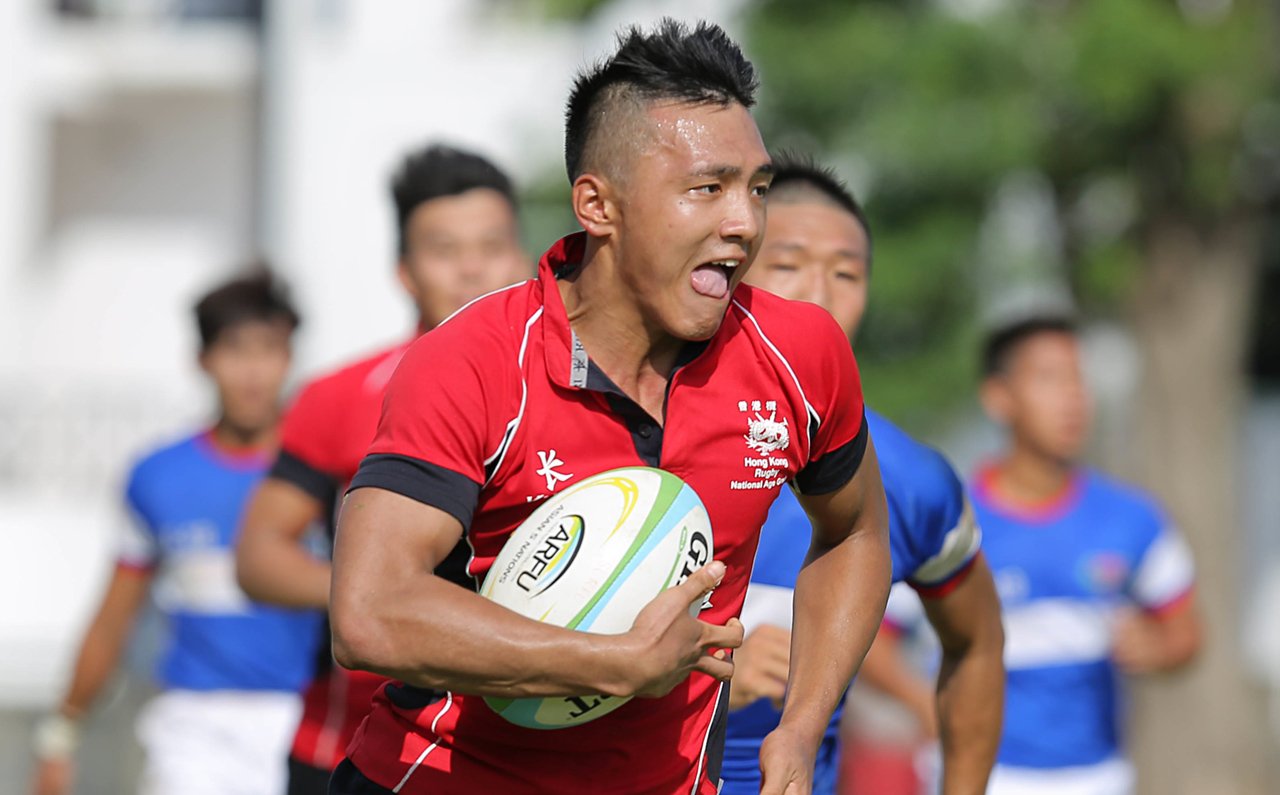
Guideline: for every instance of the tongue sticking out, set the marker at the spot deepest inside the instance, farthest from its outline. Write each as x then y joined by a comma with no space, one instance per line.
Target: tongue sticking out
711,281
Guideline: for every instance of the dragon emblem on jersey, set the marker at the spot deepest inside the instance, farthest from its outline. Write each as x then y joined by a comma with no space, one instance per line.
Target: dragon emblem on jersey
767,434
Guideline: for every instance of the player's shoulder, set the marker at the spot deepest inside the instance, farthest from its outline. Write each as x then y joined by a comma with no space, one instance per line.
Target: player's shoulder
805,335
1122,500
910,464
172,457
781,319
352,375
486,331
506,309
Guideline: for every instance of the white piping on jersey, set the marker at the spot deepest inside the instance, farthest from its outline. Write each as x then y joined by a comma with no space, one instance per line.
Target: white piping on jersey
813,414
335,716
447,703
377,378
500,454
468,304
702,757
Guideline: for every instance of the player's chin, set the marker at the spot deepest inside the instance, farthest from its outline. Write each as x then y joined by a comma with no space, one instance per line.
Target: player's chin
699,320
700,330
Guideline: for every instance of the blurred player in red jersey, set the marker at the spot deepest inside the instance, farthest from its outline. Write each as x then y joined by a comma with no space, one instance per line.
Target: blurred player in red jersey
458,239
635,345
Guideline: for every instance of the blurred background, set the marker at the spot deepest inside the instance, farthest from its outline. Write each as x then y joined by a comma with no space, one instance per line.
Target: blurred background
1117,156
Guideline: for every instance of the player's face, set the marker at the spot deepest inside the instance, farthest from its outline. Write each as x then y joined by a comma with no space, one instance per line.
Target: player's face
1043,397
818,253
248,363
692,215
457,249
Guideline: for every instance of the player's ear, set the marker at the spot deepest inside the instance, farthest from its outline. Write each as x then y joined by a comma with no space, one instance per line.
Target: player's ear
593,204
995,398
406,279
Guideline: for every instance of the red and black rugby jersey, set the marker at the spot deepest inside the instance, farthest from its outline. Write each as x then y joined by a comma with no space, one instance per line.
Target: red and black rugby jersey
500,407
325,433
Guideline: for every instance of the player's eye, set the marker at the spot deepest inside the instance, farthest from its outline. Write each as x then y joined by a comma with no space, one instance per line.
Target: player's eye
710,188
848,276
783,267
760,191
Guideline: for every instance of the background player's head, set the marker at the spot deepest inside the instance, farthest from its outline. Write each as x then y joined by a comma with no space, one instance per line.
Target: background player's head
669,171
458,230
246,326
1033,383
817,243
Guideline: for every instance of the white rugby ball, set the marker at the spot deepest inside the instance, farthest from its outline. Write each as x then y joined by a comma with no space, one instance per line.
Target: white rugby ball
590,558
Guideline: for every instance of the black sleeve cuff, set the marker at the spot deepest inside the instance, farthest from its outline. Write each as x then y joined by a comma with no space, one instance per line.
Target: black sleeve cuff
420,480
291,469
836,468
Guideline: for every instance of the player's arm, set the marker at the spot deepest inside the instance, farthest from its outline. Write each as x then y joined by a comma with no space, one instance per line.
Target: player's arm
970,693
839,601
96,661
1164,633
392,615
272,564
886,670
760,667
1151,641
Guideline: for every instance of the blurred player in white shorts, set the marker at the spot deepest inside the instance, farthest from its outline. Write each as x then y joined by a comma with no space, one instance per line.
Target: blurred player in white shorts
232,669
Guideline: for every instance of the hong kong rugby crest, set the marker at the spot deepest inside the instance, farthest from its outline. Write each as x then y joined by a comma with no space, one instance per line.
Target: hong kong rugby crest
765,434
765,467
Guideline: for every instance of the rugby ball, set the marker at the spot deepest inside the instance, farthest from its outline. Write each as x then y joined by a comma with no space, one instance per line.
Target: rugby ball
590,558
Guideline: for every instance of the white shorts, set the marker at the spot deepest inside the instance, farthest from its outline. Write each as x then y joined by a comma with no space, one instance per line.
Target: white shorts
1112,777
225,742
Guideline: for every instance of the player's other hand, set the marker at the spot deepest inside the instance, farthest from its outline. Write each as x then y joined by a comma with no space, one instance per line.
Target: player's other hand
665,644
786,763
52,776
760,667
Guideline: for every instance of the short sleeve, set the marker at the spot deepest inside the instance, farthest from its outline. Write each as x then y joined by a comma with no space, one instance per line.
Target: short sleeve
137,547
833,391
953,556
1165,573
446,412
307,444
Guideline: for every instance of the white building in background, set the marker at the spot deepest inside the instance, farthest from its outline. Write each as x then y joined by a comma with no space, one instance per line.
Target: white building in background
150,146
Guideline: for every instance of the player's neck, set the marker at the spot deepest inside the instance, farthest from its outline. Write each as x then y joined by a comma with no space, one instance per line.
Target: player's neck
1026,478
636,357
236,440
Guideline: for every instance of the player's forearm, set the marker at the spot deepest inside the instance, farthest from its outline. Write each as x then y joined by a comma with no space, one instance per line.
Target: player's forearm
386,630
839,603
97,660
104,640
272,563
970,711
274,568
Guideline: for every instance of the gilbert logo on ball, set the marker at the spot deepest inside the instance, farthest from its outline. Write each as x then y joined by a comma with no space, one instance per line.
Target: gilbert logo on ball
590,558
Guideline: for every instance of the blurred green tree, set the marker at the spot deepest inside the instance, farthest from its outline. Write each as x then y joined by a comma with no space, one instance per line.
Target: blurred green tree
1124,148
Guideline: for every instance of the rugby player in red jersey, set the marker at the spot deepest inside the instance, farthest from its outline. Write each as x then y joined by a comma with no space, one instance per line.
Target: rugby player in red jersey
635,345
458,239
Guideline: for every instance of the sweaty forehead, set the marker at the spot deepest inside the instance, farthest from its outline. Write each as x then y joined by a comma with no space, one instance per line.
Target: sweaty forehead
707,136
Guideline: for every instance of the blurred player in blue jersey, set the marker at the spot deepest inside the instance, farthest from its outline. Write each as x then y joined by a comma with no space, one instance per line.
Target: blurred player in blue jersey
817,248
232,670
1093,578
